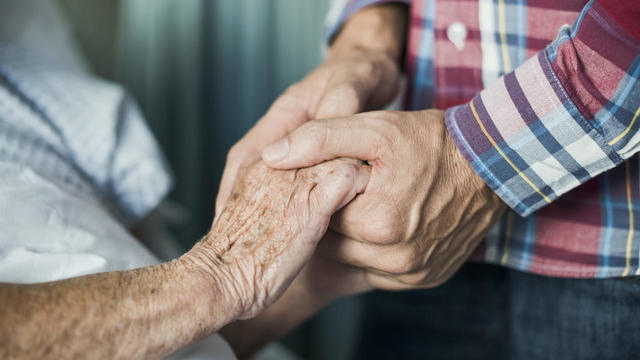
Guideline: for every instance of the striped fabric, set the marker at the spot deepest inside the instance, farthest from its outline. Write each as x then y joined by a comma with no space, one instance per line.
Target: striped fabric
543,100
81,133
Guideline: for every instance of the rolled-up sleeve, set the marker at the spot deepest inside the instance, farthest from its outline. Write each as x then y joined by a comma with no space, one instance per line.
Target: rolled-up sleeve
341,10
566,115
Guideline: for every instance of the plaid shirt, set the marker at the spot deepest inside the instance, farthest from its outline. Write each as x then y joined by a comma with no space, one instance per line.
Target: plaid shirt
546,113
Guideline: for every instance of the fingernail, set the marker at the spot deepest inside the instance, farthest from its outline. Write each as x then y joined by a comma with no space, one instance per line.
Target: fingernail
277,151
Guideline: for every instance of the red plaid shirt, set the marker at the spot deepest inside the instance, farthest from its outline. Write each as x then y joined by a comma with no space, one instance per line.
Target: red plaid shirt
543,99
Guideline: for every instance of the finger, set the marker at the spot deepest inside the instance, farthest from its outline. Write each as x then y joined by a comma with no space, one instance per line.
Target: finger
417,280
320,140
330,194
377,260
384,282
338,188
384,260
373,217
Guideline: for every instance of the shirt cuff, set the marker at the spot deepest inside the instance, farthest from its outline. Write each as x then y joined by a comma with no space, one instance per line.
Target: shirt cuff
342,10
529,144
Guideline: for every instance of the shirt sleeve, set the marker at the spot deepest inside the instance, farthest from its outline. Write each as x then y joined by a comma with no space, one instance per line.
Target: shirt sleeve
341,10
561,118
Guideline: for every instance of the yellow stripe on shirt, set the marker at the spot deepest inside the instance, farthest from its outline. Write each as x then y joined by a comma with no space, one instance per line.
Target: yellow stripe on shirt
503,37
507,236
625,130
523,176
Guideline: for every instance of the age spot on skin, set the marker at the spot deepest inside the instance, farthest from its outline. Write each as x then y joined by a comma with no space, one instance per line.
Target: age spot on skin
248,244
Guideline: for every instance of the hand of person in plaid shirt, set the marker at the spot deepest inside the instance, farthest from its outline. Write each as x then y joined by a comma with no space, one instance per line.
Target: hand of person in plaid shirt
361,73
424,210
427,205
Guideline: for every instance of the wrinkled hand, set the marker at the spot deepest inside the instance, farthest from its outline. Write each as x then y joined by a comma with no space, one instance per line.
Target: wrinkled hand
424,209
270,228
342,86
361,73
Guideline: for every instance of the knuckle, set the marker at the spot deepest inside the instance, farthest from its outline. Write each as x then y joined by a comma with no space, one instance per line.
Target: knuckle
419,279
233,151
400,265
337,167
389,121
386,226
383,145
254,170
385,127
385,229
371,70
349,97
291,96
346,171
411,259
236,153
366,68
293,89
387,116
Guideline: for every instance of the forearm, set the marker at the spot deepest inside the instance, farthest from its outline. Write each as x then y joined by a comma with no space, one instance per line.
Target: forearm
143,313
266,233
379,28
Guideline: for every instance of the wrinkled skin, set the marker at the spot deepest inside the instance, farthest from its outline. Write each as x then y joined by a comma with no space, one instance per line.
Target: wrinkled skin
424,210
271,225
266,234
336,88
361,73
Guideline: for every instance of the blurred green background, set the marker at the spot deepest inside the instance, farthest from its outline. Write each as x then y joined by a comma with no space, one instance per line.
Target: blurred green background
204,72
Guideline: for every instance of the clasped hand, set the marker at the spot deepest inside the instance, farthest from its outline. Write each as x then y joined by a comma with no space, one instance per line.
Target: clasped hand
424,209
270,227
422,213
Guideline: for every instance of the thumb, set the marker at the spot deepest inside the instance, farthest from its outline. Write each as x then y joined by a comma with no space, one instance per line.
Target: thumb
321,140
338,188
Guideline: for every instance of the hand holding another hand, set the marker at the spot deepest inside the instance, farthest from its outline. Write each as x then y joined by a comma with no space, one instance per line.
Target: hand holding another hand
424,210
341,87
270,227
361,73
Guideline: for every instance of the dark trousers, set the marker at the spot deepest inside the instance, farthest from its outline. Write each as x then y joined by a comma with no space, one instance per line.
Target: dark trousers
490,312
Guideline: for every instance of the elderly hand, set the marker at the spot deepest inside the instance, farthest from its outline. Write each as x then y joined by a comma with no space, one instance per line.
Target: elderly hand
261,241
424,209
361,73
270,228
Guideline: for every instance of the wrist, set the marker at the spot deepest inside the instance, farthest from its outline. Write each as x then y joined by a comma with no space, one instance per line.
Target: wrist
458,165
212,286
